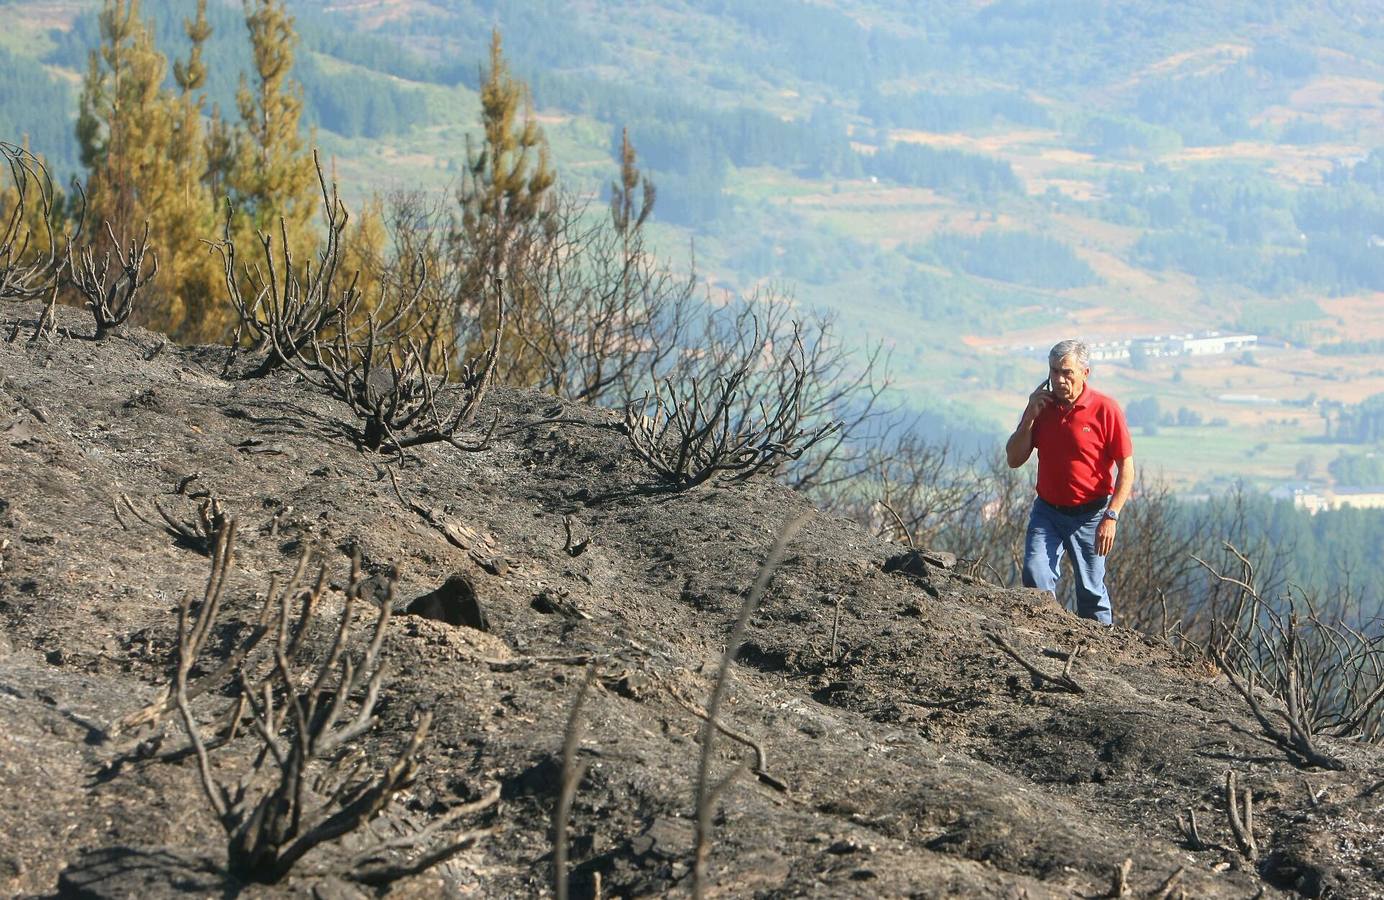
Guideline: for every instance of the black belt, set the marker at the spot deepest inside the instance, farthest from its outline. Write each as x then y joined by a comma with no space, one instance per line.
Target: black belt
1081,508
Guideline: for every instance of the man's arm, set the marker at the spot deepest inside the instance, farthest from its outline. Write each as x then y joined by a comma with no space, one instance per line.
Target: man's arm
1019,447
1124,486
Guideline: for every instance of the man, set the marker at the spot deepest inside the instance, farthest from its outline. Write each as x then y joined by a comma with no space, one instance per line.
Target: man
1080,434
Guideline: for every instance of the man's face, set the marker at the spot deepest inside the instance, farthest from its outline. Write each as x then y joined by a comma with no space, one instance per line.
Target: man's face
1068,378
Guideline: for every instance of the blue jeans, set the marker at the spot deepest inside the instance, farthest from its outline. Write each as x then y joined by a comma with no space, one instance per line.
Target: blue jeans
1052,532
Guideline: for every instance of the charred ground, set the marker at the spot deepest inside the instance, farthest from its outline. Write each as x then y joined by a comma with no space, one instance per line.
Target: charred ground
916,757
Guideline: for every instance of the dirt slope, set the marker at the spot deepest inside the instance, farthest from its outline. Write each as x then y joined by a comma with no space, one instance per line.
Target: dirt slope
917,758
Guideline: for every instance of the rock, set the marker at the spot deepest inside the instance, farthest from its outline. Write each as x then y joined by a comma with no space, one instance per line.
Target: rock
630,685
942,559
920,563
375,589
909,562
455,603
557,602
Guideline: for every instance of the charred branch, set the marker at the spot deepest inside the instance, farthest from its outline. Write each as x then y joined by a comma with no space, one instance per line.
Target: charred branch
1297,741
1119,880
1191,832
571,546
1317,669
400,402
283,306
32,254
1240,812
111,286
1165,890
1062,682
707,792
730,425
573,770
302,789
201,532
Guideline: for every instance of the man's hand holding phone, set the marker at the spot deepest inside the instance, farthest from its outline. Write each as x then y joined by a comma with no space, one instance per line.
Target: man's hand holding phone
1038,401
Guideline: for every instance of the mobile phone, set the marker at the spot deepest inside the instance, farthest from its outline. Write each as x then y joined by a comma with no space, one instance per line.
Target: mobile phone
1046,385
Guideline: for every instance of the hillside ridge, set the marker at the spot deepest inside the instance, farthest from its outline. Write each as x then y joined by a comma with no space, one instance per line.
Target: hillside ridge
900,750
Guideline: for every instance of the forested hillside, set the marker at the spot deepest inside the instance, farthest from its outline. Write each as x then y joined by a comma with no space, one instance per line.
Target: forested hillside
962,181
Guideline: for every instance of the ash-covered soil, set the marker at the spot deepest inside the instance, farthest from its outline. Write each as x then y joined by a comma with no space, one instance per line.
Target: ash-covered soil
905,755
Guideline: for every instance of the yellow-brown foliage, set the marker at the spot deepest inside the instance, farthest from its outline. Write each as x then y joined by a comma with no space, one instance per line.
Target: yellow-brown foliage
505,202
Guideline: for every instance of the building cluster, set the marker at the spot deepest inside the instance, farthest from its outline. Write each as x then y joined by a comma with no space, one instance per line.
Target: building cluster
1202,343
1205,343
1315,501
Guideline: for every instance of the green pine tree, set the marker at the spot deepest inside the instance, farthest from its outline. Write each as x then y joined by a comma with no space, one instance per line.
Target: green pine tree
505,198
271,173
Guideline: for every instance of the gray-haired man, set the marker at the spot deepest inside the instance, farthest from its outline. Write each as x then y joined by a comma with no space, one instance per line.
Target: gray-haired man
1080,435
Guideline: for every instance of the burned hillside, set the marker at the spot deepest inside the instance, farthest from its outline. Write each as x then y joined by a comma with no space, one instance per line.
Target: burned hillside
557,618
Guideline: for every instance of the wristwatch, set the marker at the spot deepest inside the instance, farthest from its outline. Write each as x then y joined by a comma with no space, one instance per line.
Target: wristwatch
1112,514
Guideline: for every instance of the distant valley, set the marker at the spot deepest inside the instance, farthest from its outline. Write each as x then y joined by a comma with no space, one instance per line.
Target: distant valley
966,184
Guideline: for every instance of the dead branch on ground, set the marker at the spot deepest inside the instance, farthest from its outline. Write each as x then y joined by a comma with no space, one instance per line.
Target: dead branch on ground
571,546
1191,833
201,532
518,663
370,867
1165,890
1062,682
1119,879
761,757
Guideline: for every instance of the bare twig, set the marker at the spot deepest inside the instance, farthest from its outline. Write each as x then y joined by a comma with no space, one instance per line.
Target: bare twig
571,547
291,305
943,704
277,811
898,521
1063,682
725,425
1191,834
835,626
194,627
1242,825
1296,741
1119,879
31,253
201,532
706,793
110,290
388,384
573,771
1165,890
761,757
388,874
516,663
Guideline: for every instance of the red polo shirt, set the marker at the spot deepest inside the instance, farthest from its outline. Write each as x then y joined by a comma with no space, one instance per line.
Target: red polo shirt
1077,446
